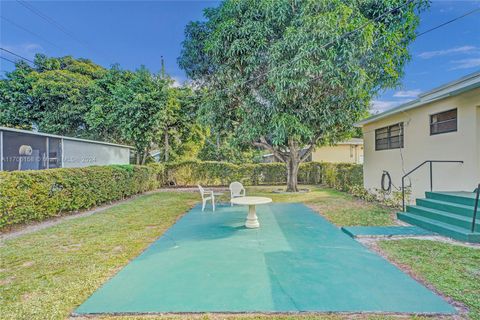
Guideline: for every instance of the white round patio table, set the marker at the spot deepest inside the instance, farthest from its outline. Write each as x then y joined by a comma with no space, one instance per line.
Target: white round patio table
251,202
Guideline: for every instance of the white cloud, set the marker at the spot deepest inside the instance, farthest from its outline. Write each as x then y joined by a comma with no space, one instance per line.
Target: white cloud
177,82
26,50
448,9
407,93
378,106
458,50
465,63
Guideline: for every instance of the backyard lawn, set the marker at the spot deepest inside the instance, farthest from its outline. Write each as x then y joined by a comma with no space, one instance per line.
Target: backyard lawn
47,274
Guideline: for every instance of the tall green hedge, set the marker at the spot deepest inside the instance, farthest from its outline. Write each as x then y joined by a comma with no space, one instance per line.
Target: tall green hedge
27,196
212,173
342,176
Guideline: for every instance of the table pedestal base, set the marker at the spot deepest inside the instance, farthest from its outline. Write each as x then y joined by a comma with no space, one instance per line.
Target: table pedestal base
252,220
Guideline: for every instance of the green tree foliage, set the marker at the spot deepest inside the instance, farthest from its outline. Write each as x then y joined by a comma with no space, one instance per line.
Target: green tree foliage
76,97
128,107
226,148
51,95
282,75
181,137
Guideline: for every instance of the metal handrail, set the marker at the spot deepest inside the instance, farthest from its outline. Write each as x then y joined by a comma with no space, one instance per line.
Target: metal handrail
431,175
475,209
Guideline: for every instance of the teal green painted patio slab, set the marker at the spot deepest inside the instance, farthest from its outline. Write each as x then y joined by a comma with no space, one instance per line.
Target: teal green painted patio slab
296,261
388,231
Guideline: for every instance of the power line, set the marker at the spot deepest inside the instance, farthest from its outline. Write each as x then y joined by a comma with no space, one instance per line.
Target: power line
448,22
363,26
428,31
56,25
334,40
17,55
417,36
8,60
441,25
30,32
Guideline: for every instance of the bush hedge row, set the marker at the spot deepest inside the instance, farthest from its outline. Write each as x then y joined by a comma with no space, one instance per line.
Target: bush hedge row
37,195
209,173
27,196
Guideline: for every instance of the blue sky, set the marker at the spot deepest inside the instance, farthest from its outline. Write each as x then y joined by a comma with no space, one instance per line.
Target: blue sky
133,33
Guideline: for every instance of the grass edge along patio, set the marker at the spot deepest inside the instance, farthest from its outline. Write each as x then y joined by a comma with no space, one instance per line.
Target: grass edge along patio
100,244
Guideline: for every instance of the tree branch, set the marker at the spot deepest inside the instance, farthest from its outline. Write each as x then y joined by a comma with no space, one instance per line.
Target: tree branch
311,147
264,144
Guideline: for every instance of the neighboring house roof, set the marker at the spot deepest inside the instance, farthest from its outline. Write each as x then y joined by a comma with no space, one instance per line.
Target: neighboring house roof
155,153
352,141
466,83
63,137
357,141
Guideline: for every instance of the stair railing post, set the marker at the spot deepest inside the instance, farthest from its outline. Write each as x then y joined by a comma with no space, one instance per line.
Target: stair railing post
476,208
431,176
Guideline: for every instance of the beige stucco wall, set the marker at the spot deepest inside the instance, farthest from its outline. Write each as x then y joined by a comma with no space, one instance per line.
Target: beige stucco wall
345,153
419,145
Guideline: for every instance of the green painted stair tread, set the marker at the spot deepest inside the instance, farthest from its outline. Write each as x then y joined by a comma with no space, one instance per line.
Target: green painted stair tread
443,216
464,194
460,197
442,228
386,231
461,209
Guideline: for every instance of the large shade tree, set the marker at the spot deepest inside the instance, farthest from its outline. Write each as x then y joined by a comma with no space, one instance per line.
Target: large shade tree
286,75
51,95
127,107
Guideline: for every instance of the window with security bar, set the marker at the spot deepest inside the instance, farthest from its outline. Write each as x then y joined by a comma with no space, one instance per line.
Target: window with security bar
443,122
390,137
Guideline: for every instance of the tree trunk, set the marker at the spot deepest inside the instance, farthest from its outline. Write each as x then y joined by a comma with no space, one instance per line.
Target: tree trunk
145,155
167,147
291,157
138,157
293,165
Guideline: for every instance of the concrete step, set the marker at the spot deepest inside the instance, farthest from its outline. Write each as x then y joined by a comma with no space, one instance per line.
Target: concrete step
444,216
455,232
460,209
464,198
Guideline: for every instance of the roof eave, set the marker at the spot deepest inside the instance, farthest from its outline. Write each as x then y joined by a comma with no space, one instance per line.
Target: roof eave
472,81
64,137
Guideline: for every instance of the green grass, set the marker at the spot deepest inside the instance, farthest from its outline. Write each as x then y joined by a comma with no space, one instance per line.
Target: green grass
453,270
264,317
338,207
47,274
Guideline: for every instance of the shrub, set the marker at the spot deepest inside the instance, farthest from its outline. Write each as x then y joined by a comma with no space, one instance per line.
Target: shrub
208,173
342,176
212,173
27,196
160,176
311,172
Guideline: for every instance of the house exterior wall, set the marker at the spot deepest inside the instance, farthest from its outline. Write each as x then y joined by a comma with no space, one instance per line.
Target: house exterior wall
84,154
342,153
419,145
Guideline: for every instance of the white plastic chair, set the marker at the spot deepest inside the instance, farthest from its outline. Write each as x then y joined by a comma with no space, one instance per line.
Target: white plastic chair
206,195
236,190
